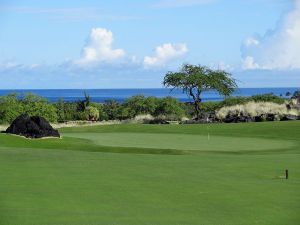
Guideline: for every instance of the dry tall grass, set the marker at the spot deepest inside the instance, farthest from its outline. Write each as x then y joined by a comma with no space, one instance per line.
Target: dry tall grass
252,109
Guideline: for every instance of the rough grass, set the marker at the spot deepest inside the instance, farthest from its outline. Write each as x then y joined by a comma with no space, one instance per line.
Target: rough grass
76,181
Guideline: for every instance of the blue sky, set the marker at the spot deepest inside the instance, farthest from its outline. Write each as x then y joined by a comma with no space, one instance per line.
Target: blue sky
132,44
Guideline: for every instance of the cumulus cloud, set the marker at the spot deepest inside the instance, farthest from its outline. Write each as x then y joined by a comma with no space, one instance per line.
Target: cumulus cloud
277,49
165,53
249,64
221,66
99,50
250,41
181,3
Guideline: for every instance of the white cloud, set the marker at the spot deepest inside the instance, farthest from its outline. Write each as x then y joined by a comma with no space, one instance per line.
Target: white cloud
15,66
98,49
251,41
249,64
181,3
165,53
221,66
277,49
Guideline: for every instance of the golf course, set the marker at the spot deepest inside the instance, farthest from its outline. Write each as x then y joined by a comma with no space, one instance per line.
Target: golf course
139,174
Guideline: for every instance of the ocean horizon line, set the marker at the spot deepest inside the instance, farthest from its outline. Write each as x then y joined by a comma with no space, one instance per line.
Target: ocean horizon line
120,95
17,89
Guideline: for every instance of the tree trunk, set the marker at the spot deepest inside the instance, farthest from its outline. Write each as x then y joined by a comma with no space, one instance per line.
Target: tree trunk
197,102
197,108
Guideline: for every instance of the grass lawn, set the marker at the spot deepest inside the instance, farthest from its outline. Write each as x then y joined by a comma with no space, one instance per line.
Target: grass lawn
219,174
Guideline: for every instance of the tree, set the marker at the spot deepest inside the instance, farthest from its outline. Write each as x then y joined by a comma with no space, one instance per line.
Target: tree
196,79
82,105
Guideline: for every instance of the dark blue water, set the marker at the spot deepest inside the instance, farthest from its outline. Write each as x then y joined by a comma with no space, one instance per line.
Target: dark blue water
100,95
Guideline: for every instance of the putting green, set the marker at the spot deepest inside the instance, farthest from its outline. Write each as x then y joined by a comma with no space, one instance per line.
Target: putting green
183,141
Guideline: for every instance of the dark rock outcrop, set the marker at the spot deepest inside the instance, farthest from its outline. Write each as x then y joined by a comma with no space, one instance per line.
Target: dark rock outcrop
290,117
158,121
237,119
32,127
270,117
205,117
208,117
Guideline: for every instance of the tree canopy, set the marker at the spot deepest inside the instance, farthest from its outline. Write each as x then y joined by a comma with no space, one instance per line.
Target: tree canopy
195,79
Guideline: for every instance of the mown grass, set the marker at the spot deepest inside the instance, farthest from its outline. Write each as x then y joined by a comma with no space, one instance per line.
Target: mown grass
79,181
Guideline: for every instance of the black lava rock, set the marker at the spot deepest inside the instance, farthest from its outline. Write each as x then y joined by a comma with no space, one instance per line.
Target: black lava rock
237,119
290,117
32,127
158,121
259,118
270,117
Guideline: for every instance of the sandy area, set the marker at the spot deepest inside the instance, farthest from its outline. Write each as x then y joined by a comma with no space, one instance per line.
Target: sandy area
84,123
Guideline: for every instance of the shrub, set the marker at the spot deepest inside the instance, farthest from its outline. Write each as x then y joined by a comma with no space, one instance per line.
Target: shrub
170,106
35,105
255,98
91,113
234,101
111,109
139,104
10,108
267,98
253,109
60,109
210,106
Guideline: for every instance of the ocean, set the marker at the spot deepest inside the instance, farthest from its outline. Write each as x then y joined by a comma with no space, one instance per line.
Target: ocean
120,95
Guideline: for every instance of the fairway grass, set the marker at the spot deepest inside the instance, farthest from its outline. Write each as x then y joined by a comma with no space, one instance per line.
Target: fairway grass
153,175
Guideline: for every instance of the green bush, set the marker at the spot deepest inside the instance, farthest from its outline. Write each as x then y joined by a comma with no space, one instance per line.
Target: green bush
267,98
210,106
91,113
169,106
10,108
139,104
256,98
35,105
111,109
233,101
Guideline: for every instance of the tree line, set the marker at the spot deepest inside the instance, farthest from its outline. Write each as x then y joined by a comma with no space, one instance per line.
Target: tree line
168,108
